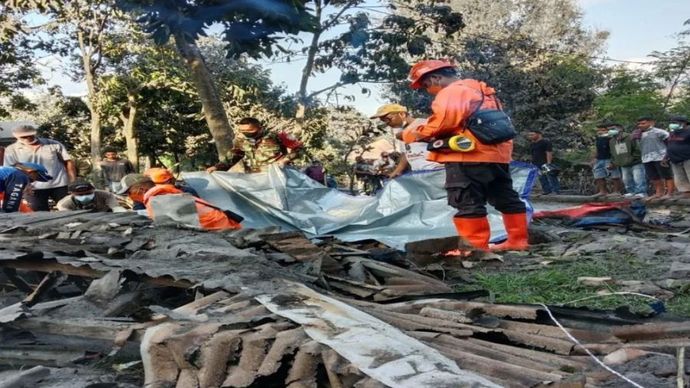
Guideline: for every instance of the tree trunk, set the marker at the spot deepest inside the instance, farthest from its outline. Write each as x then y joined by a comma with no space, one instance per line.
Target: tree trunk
682,68
306,73
216,118
131,140
93,103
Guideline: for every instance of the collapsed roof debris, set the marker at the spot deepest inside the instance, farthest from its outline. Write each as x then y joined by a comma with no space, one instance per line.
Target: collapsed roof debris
107,299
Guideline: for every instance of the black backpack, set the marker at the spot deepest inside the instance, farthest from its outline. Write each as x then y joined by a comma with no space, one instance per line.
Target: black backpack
491,126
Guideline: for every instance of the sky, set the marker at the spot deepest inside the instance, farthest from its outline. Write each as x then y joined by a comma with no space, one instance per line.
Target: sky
636,27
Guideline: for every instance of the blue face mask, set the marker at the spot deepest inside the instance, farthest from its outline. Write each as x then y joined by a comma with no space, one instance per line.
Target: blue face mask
85,198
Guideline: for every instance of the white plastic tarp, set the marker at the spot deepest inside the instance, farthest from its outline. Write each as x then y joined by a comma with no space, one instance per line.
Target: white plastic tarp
387,355
412,207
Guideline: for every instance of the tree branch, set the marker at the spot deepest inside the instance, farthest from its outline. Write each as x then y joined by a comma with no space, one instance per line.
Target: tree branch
332,87
335,18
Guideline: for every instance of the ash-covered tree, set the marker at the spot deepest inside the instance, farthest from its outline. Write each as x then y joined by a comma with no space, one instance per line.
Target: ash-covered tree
135,65
17,70
250,28
627,95
74,29
673,67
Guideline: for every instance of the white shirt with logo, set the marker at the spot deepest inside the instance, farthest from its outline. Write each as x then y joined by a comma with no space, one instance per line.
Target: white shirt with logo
417,153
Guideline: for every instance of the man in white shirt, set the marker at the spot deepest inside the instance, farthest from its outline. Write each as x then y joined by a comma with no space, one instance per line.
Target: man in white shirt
397,117
29,148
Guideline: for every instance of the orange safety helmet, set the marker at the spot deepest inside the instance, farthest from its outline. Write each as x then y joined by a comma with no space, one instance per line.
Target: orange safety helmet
158,175
422,68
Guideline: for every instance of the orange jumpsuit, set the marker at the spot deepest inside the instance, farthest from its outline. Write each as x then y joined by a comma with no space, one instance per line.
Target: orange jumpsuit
210,217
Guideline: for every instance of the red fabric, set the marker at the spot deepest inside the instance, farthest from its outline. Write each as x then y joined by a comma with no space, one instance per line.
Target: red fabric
289,141
581,211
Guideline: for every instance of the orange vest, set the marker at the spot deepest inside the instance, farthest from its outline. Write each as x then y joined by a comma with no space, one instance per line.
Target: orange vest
210,217
451,108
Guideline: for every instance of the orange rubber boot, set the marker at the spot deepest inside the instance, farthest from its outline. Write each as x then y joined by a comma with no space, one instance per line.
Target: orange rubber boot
516,227
474,230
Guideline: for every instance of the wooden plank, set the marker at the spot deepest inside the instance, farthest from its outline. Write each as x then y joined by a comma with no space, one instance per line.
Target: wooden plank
517,376
76,327
49,265
51,280
494,354
33,356
535,355
652,331
555,332
553,344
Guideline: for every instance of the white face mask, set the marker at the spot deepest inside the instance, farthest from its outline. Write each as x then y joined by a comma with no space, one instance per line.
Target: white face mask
85,198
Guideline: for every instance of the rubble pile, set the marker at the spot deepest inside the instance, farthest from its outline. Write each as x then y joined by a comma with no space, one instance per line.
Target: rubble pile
107,299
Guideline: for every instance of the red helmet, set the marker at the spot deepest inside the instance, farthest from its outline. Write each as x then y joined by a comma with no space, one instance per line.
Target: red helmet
420,69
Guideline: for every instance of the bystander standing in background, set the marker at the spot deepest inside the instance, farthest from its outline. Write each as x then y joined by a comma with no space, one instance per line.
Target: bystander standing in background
542,155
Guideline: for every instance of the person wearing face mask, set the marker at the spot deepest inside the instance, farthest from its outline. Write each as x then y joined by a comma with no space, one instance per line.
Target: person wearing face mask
258,148
477,171
14,180
602,167
656,166
415,154
626,155
84,196
678,153
29,148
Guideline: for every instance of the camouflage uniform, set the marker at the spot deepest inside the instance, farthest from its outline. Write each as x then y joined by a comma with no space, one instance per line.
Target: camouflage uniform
257,154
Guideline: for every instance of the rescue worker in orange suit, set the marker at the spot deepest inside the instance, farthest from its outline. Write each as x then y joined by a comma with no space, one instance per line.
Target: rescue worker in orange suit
141,188
478,173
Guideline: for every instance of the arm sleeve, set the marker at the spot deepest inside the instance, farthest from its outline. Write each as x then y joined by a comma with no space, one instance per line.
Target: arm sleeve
450,109
129,167
111,201
549,146
289,141
63,152
65,204
10,158
14,191
237,155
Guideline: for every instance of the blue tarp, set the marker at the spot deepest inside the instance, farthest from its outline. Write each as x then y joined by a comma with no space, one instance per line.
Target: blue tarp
409,208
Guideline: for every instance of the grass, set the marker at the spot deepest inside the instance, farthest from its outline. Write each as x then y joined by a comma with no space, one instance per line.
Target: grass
557,284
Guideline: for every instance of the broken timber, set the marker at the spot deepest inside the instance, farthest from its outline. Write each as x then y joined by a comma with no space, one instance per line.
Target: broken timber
258,308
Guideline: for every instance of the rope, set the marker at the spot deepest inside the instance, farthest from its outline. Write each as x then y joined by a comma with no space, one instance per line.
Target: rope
611,294
576,342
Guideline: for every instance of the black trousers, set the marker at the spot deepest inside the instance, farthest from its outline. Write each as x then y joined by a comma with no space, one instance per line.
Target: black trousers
38,199
471,185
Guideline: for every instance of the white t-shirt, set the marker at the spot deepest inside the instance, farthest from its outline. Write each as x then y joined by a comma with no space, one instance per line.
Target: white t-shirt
417,153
